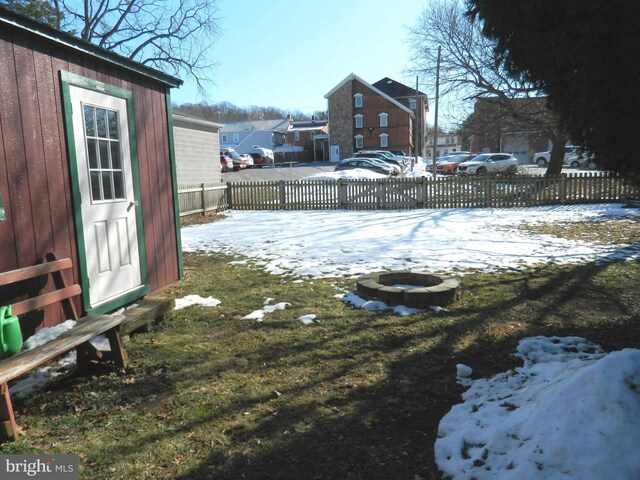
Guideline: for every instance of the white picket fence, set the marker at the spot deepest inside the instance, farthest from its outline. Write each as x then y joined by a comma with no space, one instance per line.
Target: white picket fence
410,193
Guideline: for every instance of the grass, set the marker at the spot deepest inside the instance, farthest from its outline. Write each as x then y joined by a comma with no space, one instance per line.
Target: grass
357,395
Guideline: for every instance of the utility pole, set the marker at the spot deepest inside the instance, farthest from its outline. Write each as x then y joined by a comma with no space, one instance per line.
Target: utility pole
435,121
418,118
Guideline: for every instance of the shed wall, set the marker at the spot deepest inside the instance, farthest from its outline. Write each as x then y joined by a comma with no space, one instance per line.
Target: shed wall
34,167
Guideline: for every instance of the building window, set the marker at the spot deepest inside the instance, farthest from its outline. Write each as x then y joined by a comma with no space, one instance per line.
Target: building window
224,138
296,136
359,141
384,119
236,138
384,140
412,104
358,100
359,121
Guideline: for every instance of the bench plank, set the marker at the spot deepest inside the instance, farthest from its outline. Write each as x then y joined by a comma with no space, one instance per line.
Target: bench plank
86,329
45,299
33,271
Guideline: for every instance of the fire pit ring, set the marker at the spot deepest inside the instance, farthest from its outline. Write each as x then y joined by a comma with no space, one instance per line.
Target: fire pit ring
417,290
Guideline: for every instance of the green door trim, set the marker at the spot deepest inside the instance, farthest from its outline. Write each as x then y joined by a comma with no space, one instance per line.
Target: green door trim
67,80
174,183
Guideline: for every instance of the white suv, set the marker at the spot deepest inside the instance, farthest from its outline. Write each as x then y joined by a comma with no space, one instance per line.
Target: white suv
489,163
542,158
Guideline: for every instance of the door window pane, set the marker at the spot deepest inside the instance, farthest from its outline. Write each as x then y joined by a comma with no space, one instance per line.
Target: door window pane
101,122
102,137
104,154
113,124
89,121
107,190
92,153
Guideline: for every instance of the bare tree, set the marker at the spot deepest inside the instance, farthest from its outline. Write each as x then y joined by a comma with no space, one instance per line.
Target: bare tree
469,72
172,36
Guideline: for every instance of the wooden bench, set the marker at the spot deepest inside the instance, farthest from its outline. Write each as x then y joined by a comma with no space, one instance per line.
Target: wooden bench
78,337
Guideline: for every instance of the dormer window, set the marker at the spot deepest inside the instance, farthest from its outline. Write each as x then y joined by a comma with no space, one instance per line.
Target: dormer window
359,120
384,119
358,100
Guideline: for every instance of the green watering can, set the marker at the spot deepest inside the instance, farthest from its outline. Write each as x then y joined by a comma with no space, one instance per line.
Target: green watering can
10,334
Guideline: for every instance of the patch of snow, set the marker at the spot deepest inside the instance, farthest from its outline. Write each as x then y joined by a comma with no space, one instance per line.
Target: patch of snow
307,319
196,300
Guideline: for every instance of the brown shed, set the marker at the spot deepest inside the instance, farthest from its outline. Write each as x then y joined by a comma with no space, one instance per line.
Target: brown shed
87,167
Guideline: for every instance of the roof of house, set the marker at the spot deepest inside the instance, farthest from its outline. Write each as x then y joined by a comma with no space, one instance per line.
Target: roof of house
280,125
396,89
180,118
308,125
8,17
353,76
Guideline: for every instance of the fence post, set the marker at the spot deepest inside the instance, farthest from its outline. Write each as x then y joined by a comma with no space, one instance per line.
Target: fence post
282,194
342,193
563,193
228,194
203,199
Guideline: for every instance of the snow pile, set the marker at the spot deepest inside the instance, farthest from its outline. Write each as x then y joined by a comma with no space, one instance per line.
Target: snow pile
569,412
355,174
196,300
375,305
47,334
259,314
307,319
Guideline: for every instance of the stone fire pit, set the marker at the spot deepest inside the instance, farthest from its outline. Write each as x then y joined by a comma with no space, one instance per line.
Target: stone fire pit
412,289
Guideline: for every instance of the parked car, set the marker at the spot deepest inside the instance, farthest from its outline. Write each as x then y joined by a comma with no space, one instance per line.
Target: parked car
450,164
248,159
226,164
489,163
398,153
587,161
448,154
365,163
542,158
384,156
262,156
238,161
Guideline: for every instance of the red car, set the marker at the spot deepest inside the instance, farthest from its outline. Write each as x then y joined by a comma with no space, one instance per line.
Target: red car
450,166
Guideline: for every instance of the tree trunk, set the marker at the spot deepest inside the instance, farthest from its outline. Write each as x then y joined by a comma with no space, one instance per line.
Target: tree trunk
557,155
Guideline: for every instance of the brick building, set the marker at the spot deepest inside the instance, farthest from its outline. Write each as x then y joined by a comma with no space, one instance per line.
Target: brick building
363,116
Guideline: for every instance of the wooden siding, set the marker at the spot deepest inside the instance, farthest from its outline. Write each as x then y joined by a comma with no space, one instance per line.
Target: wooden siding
197,155
34,168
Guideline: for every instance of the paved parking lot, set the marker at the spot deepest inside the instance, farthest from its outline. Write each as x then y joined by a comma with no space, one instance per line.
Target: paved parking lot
302,170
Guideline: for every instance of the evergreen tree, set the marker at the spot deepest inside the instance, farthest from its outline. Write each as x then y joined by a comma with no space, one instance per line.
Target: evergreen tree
583,55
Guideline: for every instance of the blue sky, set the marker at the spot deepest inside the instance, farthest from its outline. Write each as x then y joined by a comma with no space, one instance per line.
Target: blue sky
289,53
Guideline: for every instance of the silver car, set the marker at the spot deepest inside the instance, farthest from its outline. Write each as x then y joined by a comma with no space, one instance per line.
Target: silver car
489,163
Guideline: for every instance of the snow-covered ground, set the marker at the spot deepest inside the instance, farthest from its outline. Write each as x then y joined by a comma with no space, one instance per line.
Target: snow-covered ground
345,243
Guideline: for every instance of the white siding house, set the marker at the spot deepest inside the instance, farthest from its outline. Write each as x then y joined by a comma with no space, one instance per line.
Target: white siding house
197,148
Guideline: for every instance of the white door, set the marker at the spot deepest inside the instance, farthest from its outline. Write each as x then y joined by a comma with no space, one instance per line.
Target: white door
335,153
108,203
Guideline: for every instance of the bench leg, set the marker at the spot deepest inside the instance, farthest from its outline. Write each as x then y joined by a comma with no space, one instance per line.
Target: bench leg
118,354
8,426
